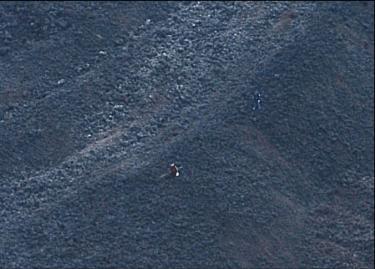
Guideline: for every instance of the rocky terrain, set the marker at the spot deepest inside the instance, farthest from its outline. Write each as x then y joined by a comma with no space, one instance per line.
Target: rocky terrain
267,106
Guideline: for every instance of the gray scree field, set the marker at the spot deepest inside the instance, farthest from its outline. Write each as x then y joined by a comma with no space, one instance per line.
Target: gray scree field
266,107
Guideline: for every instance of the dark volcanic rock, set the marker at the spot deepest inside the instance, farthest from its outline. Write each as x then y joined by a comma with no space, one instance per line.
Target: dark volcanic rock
97,99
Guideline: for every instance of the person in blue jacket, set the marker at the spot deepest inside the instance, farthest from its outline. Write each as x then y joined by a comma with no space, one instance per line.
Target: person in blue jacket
257,101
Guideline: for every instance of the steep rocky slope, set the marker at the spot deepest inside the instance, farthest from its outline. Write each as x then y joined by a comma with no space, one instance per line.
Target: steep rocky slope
97,99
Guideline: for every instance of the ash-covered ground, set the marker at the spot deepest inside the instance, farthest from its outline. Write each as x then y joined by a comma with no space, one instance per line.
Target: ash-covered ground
267,106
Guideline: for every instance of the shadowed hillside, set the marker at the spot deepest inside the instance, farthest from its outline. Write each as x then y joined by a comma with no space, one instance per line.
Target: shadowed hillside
268,108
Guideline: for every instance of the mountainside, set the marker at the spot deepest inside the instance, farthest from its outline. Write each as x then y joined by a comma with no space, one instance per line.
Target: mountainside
266,106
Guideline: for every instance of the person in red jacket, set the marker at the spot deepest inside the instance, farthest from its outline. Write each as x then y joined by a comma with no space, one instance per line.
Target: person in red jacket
174,170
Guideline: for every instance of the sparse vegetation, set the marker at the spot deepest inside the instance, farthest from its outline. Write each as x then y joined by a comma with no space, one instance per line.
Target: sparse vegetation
97,99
